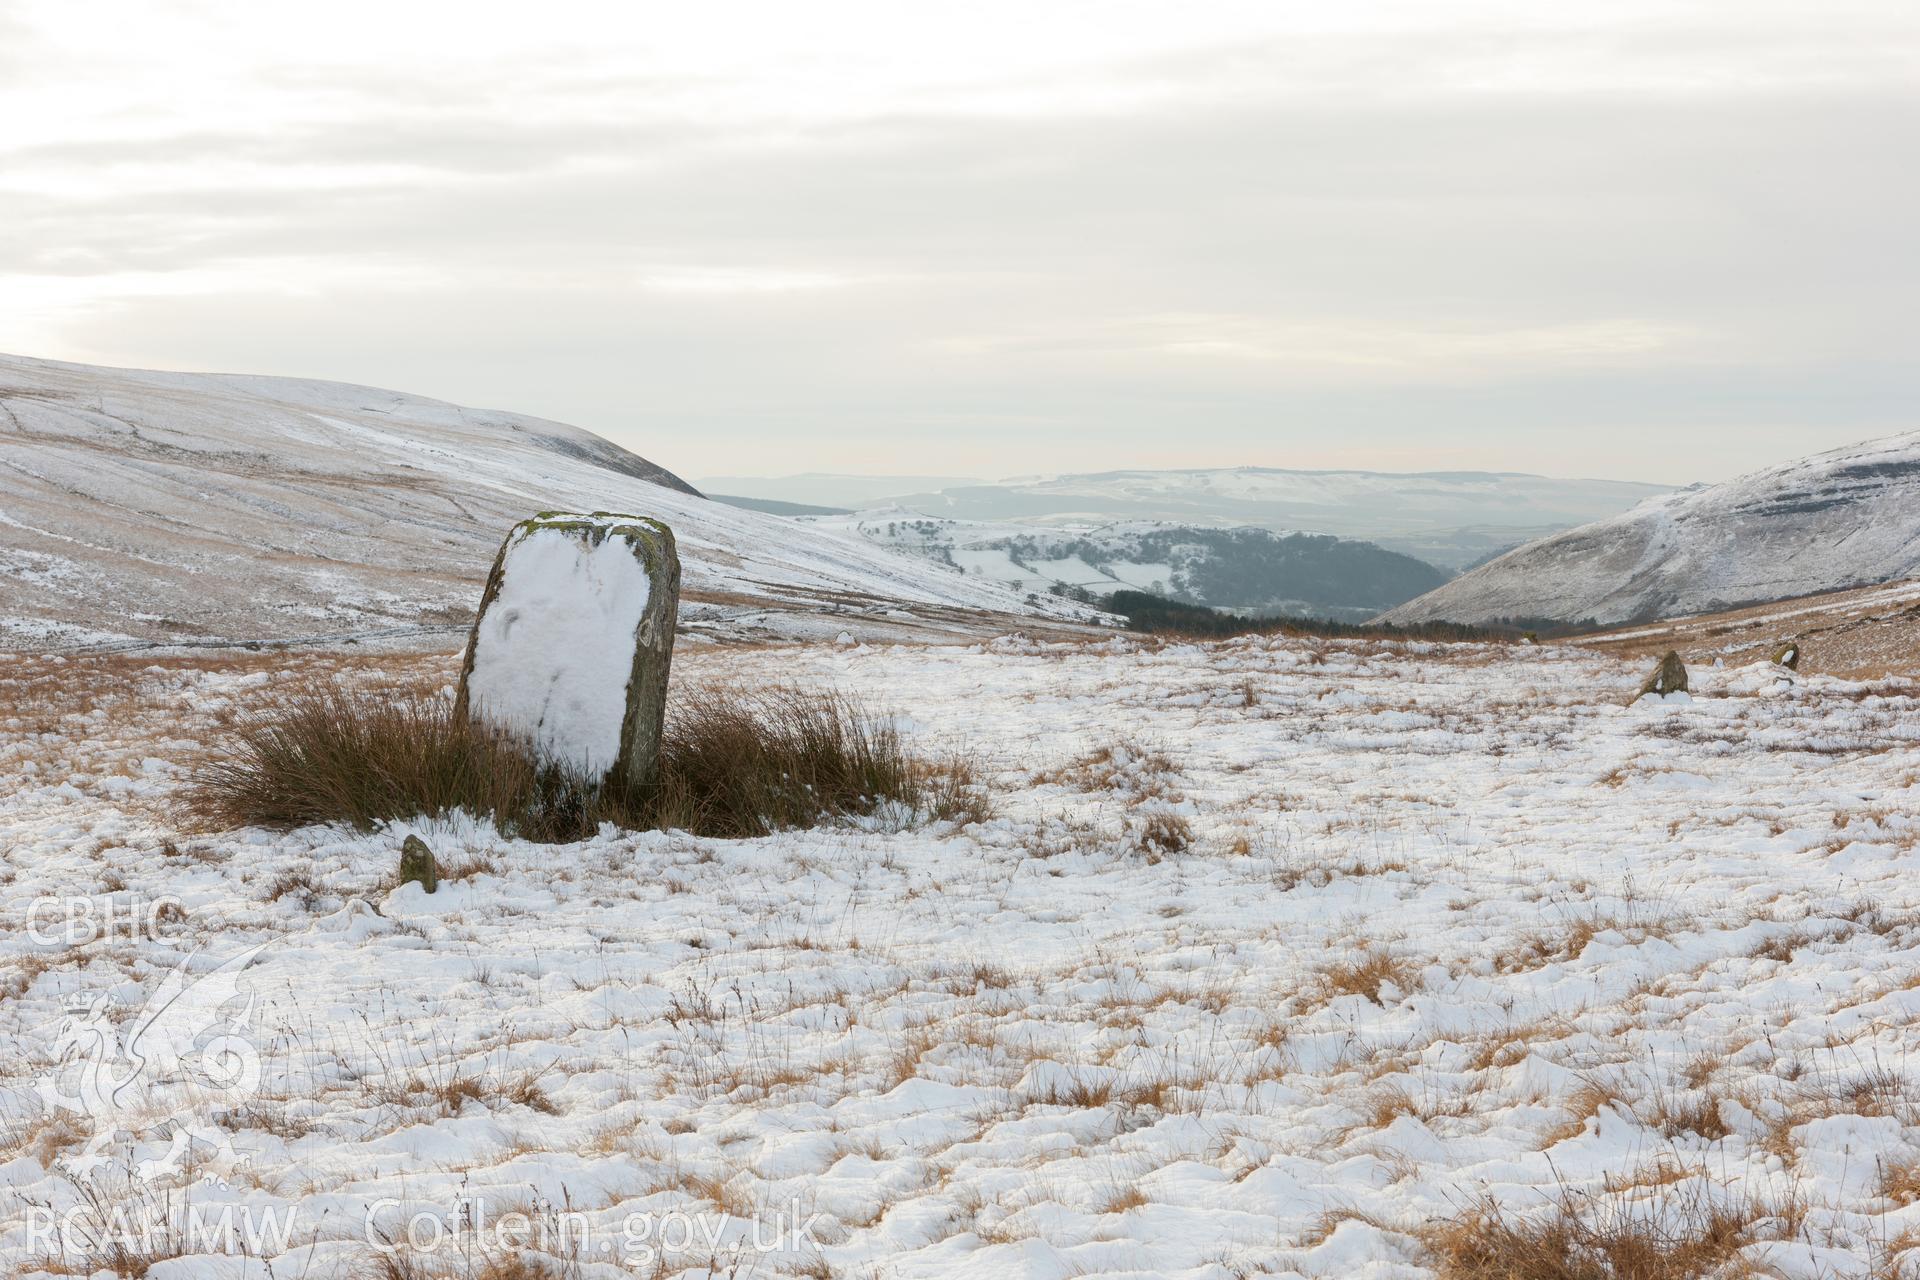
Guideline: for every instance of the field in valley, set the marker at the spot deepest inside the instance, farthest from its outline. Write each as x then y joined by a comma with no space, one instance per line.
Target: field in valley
1265,957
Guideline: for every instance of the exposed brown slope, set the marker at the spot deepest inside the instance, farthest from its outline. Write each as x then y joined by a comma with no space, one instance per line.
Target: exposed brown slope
1864,633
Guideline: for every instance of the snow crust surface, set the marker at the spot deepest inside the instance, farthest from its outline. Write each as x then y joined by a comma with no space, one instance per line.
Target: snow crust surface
553,653
1454,925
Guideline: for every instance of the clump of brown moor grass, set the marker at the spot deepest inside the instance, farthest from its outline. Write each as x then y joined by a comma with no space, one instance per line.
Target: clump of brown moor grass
1162,834
732,764
735,763
1692,1239
1367,974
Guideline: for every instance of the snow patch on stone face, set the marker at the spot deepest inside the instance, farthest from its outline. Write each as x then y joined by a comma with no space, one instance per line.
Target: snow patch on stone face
554,652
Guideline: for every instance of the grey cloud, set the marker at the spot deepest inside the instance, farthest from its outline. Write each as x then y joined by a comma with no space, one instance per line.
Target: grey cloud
443,144
815,376
19,47
1609,204
998,271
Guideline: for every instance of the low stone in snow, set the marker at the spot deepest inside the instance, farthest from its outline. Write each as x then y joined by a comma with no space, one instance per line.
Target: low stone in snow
1669,677
417,865
574,638
1788,655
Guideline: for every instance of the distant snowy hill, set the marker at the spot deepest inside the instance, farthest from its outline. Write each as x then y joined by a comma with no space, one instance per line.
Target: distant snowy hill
163,507
775,507
1237,568
1452,518
1846,518
830,489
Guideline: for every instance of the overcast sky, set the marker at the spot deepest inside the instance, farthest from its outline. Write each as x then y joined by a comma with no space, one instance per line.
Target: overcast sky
1665,241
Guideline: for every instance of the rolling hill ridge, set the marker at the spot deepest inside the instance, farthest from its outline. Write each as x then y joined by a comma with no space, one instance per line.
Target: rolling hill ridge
141,507
1845,518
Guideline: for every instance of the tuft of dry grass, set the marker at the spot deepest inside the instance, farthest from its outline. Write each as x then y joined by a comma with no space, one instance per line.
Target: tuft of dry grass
1572,1241
1382,1107
1136,772
395,1262
954,792
1162,834
1695,1111
733,764
1582,1105
330,754
738,763
298,884
1367,974
1900,1183
1567,939
1873,1091
95,1237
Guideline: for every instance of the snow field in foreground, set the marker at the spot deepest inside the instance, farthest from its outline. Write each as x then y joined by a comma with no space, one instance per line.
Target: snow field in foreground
1273,956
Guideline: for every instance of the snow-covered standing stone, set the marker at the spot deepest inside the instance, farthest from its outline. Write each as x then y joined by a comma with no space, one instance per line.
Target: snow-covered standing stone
573,641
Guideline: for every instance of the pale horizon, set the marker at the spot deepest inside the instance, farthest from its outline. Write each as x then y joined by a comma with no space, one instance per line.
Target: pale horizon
1659,243
1023,476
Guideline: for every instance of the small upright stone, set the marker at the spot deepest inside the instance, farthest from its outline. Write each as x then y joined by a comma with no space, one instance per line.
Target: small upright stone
417,865
1669,677
1788,655
573,641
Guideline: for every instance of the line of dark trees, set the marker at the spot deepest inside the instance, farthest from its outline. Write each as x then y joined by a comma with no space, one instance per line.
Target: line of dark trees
1160,616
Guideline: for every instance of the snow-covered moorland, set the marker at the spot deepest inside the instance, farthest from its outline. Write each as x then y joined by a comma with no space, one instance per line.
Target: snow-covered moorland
1272,958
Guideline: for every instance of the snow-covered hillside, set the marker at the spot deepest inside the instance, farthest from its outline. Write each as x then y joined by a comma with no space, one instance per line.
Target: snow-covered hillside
1243,568
162,507
1846,518
1452,519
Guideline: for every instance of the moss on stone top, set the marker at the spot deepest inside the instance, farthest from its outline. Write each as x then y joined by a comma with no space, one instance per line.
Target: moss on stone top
651,535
